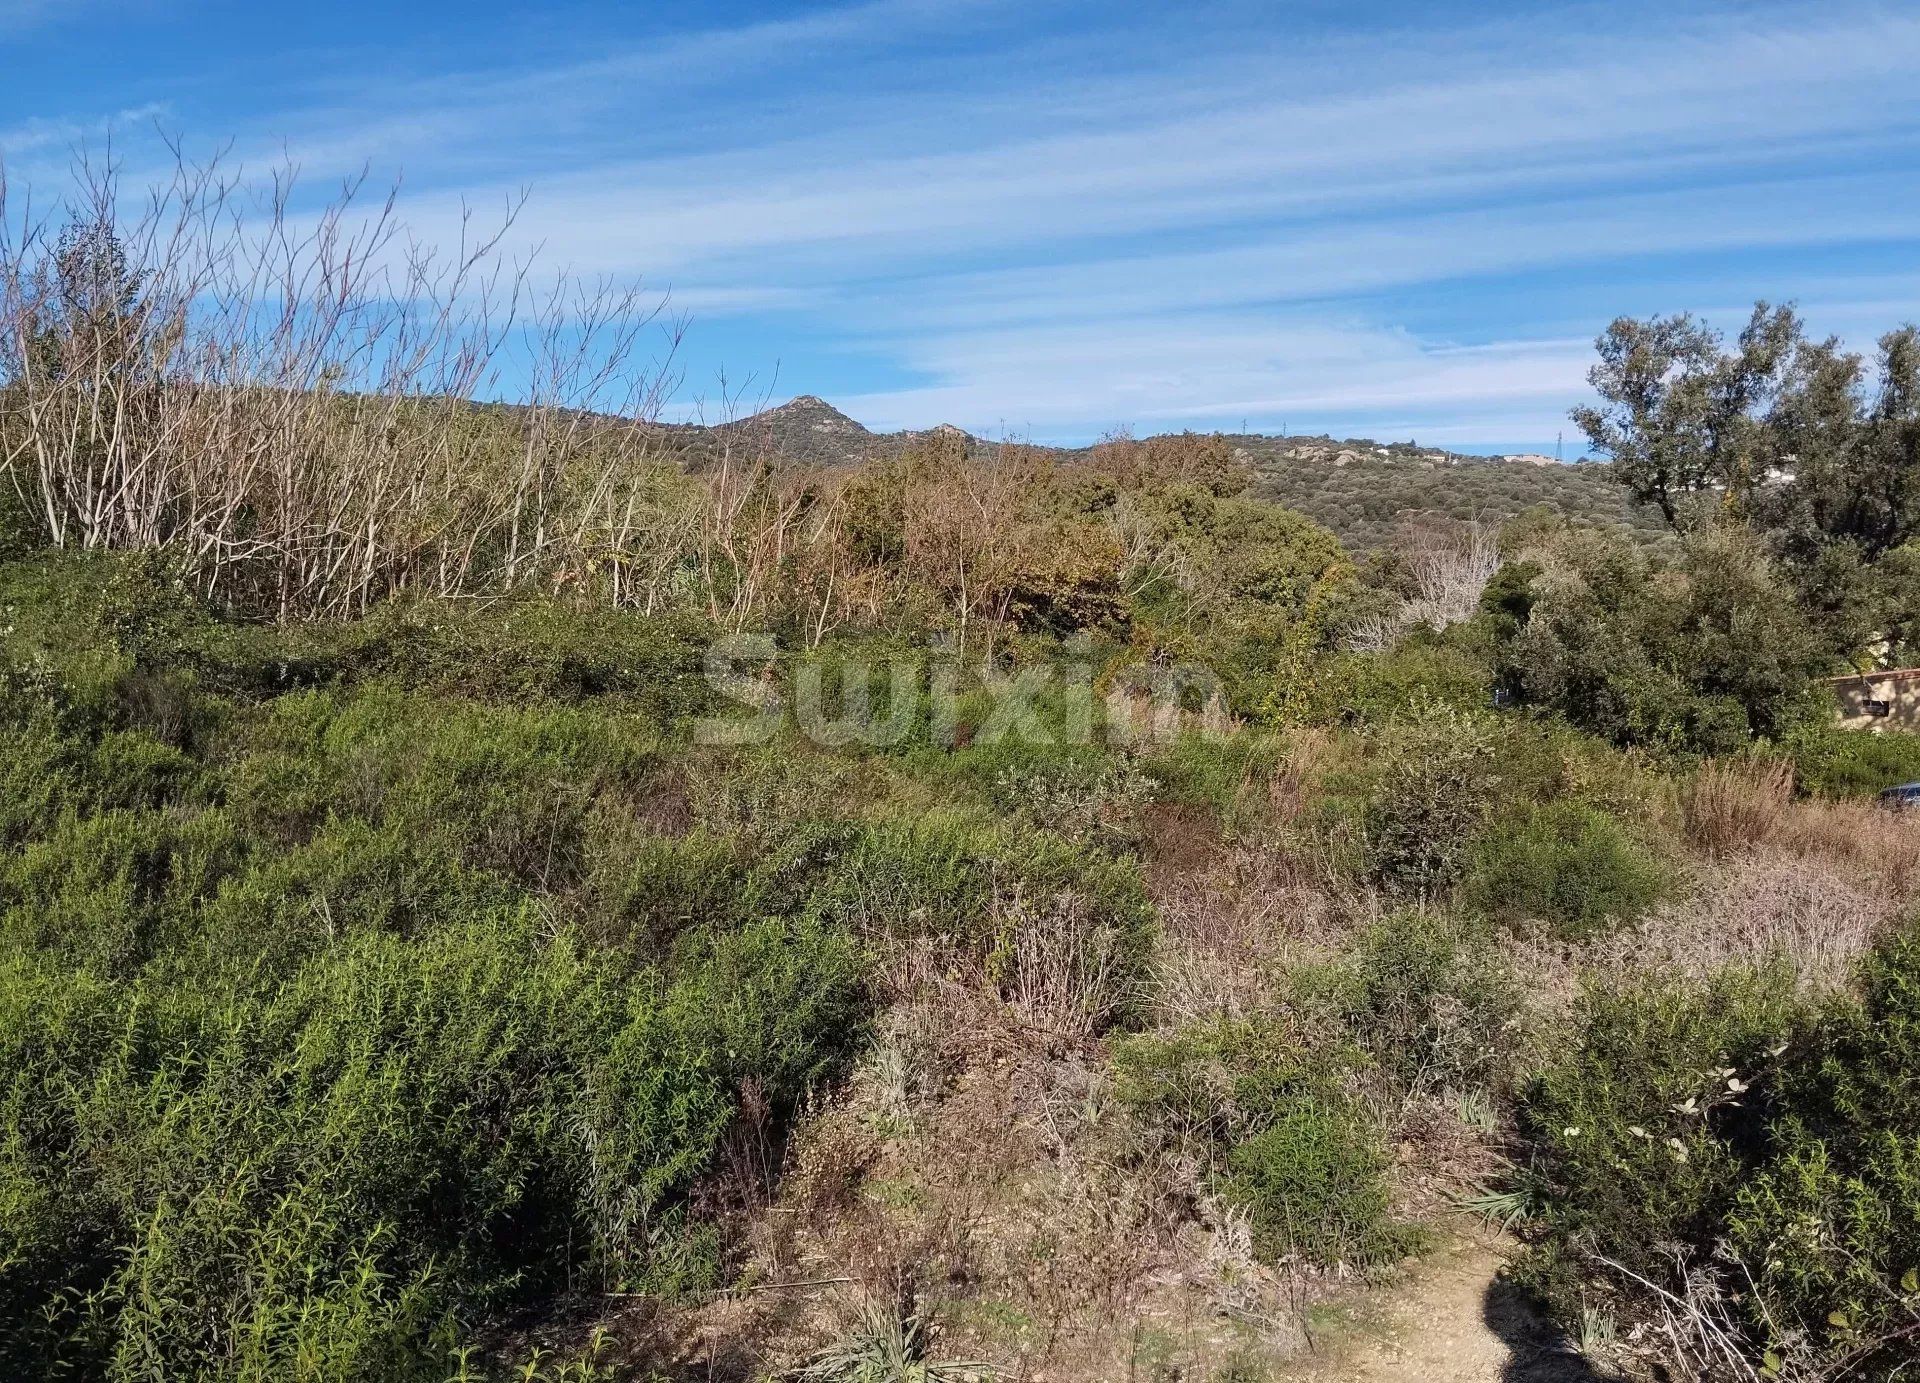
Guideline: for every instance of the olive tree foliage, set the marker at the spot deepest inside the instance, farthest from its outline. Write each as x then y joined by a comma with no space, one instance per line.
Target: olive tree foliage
1699,655
1795,434
1801,439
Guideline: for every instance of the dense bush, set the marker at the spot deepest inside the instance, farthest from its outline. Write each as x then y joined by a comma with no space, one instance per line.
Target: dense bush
1638,1124
1844,763
332,1177
1264,1104
1428,996
1726,1134
110,892
1376,687
324,1049
1700,657
1567,864
1435,780
1829,1227
1313,1182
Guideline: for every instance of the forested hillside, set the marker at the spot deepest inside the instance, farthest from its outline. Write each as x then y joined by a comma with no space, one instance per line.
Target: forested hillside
1363,492
1366,500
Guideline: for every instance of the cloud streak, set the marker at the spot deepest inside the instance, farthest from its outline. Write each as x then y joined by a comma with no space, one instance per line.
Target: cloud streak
1069,218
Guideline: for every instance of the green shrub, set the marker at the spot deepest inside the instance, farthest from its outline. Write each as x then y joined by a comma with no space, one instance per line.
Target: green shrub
1832,762
1830,1226
1427,995
110,891
1215,770
1263,1103
1378,687
1434,784
1638,1127
947,875
1097,802
533,652
1699,656
1313,1182
47,772
1215,1083
510,791
1721,1130
650,889
345,1169
351,878
1567,864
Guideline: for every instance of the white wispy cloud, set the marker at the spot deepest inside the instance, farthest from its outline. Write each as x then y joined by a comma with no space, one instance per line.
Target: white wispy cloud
1137,219
1643,107
1211,370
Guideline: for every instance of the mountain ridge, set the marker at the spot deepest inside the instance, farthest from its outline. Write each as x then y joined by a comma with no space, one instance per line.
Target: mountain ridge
1361,489
809,428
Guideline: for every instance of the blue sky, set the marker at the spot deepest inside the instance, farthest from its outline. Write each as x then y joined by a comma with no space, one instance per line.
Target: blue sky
1052,219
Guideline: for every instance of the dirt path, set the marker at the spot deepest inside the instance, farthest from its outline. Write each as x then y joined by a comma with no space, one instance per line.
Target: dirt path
1452,1321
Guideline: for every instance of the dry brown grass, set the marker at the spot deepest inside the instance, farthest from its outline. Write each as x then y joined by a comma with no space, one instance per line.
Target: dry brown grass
1730,806
1229,924
1062,973
1861,836
1770,904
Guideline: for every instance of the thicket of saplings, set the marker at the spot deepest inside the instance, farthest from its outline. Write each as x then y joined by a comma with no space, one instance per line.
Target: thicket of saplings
388,957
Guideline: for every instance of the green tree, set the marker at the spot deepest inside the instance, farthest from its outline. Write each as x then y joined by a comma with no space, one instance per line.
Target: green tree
1699,656
1682,415
1796,437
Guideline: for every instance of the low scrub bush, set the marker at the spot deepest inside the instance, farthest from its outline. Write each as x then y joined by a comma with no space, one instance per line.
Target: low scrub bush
337,1176
1378,687
1427,995
1642,1124
1226,774
1567,864
1211,1084
47,772
1313,1183
1730,1144
510,791
539,651
1435,782
649,889
352,878
109,892
1829,1227
953,877
1264,1107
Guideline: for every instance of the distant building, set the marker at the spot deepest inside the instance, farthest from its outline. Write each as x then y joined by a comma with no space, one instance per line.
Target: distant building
1879,700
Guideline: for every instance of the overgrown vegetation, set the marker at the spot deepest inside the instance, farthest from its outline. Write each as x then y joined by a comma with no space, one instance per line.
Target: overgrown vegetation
475,886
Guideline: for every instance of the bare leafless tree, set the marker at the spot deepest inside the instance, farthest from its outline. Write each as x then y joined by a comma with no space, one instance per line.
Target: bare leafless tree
1447,567
292,396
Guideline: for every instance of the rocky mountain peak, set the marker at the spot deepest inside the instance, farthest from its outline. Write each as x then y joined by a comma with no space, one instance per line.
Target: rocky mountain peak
811,412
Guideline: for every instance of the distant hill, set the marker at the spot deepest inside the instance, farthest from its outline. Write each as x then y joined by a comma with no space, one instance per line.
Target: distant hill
1359,488
813,432
1363,491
